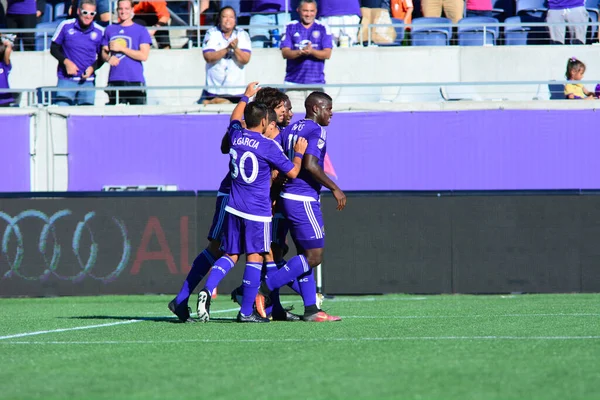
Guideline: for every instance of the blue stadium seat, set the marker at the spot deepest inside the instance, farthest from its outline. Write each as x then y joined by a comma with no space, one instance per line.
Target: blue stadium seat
592,9
40,43
47,17
59,10
533,8
423,34
471,31
514,33
557,91
399,27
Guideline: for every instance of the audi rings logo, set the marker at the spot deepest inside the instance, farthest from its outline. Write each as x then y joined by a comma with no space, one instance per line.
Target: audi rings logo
54,248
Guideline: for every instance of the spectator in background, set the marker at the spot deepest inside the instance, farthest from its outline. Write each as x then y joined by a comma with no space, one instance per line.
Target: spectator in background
575,72
306,45
453,9
21,14
124,46
227,49
77,45
341,12
479,8
154,14
376,12
5,66
40,6
274,13
403,9
2,16
573,11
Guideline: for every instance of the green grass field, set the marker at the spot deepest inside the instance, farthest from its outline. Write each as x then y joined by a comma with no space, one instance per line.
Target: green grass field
386,347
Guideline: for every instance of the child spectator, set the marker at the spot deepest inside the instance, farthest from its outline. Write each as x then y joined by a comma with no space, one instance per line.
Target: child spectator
5,49
575,71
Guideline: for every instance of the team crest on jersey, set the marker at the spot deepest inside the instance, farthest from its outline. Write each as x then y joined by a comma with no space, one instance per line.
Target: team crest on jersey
1,70
316,34
94,35
71,31
321,144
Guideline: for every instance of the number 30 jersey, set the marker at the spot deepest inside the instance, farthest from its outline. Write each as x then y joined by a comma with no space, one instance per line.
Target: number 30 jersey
304,187
251,158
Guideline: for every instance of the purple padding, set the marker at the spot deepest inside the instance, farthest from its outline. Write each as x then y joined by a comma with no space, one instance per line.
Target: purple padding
445,150
14,154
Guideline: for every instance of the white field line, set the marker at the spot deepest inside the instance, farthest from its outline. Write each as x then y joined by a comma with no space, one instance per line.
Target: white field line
468,316
78,328
305,340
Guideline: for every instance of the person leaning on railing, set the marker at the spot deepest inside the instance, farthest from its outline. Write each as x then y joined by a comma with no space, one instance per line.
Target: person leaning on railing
124,46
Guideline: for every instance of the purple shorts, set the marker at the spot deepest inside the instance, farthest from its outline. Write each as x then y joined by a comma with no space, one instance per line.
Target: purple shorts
244,236
216,229
305,223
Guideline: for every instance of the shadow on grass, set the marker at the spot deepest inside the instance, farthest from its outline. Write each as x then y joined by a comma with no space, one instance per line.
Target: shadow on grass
171,320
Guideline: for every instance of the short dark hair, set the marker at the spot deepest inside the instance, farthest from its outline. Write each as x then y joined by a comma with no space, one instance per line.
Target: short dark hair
271,115
271,97
89,2
315,98
254,113
307,1
218,20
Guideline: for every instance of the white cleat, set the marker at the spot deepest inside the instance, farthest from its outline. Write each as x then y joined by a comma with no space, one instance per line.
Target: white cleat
203,306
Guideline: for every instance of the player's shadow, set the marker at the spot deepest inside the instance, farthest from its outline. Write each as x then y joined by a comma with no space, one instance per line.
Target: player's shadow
172,320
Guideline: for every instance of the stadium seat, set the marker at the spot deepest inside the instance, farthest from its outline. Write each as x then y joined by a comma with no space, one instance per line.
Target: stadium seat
59,10
534,8
474,31
514,33
399,27
40,43
557,91
593,18
47,17
423,34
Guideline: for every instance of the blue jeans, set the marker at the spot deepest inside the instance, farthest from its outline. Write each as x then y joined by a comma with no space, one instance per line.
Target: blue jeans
259,36
74,97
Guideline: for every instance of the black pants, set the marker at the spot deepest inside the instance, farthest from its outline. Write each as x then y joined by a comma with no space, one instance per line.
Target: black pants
23,21
161,36
133,97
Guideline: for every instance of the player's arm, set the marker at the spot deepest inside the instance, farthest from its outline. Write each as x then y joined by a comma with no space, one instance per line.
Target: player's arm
311,164
290,54
238,111
299,149
138,55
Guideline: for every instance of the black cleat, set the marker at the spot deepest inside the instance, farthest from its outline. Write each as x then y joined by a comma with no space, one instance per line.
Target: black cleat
204,305
183,315
237,295
254,317
285,315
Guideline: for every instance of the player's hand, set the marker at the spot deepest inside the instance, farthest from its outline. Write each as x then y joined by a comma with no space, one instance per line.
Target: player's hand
340,198
300,146
71,67
116,46
308,49
114,61
88,72
251,89
233,44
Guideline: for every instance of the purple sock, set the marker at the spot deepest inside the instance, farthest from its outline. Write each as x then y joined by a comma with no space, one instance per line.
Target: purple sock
222,266
250,283
308,288
293,284
200,268
293,269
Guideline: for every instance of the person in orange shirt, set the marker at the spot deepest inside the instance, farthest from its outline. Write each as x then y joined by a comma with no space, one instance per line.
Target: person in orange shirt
154,13
402,9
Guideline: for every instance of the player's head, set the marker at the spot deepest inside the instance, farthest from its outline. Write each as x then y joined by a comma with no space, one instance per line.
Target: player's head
256,116
288,113
86,12
125,9
307,9
226,19
274,99
319,108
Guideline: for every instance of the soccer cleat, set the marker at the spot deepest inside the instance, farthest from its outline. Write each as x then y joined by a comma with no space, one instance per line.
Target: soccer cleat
320,316
204,305
183,315
254,317
285,315
262,300
237,295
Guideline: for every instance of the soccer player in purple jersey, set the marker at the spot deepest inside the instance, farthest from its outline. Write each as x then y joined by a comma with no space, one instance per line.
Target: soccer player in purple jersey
301,207
248,213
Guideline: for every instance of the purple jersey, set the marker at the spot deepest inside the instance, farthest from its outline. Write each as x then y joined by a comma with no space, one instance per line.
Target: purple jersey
128,70
332,8
252,157
225,186
306,69
565,4
79,45
21,7
4,71
270,6
304,187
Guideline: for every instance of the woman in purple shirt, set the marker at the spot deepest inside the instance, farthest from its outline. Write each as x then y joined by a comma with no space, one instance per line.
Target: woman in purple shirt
21,14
